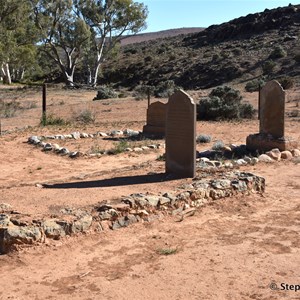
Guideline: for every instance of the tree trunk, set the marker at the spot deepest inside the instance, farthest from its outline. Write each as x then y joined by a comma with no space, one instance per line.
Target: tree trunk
98,62
95,74
6,73
68,74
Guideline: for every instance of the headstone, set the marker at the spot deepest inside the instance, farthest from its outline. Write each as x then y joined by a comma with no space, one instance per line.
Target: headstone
181,135
156,118
272,107
271,125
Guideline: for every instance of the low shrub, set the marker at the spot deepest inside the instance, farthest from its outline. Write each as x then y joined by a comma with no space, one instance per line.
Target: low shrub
297,57
141,91
52,120
247,111
222,103
86,117
9,109
119,147
165,89
167,251
105,92
278,52
218,145
203,138
268,66
253,85
286,82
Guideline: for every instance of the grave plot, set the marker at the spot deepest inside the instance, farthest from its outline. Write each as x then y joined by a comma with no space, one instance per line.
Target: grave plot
61,188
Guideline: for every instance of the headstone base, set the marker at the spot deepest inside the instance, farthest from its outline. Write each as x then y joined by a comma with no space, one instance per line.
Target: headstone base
264,143
150,129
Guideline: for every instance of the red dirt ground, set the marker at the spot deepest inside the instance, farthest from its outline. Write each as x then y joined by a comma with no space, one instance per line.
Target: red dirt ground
231,249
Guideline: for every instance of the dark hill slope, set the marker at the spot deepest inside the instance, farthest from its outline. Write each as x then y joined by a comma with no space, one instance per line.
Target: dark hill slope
236,50
143,37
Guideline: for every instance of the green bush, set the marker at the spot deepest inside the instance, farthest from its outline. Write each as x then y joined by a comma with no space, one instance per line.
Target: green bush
247,111
268,67
141,91
253,85
105,92
165,89
278,52
203,138
52,120
237,51
119,147
223,103
286,82
86,117
218,145
297,58
9,109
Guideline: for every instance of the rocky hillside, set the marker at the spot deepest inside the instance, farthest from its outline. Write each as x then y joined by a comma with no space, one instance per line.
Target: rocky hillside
149,36
259,45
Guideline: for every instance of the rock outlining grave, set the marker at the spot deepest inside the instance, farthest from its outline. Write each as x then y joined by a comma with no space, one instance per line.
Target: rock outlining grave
271,127
20,229
181,135
156,118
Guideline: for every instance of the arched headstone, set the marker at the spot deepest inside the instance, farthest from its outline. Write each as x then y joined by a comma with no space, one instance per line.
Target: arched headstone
156,118
181,135
272,109
271,122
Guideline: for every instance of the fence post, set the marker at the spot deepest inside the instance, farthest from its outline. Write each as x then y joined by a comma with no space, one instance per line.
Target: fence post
259,88
44,109
148,97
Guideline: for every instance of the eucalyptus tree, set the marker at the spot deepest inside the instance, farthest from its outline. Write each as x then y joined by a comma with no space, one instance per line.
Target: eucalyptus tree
64,35
17,38
109,21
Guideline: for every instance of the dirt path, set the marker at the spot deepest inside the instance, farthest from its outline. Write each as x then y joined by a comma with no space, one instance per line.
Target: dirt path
232,249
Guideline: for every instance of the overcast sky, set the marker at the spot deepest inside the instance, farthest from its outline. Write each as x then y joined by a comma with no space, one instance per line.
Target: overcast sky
169,14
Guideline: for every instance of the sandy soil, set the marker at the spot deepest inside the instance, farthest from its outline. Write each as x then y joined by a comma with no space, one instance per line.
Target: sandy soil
232,249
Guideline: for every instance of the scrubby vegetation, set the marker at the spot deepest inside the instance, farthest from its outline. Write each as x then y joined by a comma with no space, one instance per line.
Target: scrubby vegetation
105,92
52,120
224,103
254,85
203,138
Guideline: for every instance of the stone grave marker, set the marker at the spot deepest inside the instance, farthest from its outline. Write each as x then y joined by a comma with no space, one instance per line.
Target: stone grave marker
181,135
156,118
272,108
271,124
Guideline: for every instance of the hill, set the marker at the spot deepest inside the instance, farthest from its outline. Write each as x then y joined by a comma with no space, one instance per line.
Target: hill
149,36
264,44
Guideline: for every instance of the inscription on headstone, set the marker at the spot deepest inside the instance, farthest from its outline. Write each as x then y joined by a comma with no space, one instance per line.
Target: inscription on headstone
181,135
272,106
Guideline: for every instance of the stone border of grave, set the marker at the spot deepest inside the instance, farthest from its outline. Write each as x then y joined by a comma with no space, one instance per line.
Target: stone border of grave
48,147
19,230
205,160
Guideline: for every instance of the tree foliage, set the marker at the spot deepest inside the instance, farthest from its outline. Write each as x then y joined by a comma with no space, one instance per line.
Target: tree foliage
62,33
69,32
109,21
17,39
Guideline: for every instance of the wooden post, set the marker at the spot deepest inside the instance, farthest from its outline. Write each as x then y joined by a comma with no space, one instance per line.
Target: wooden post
44,109
259,88
148,97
